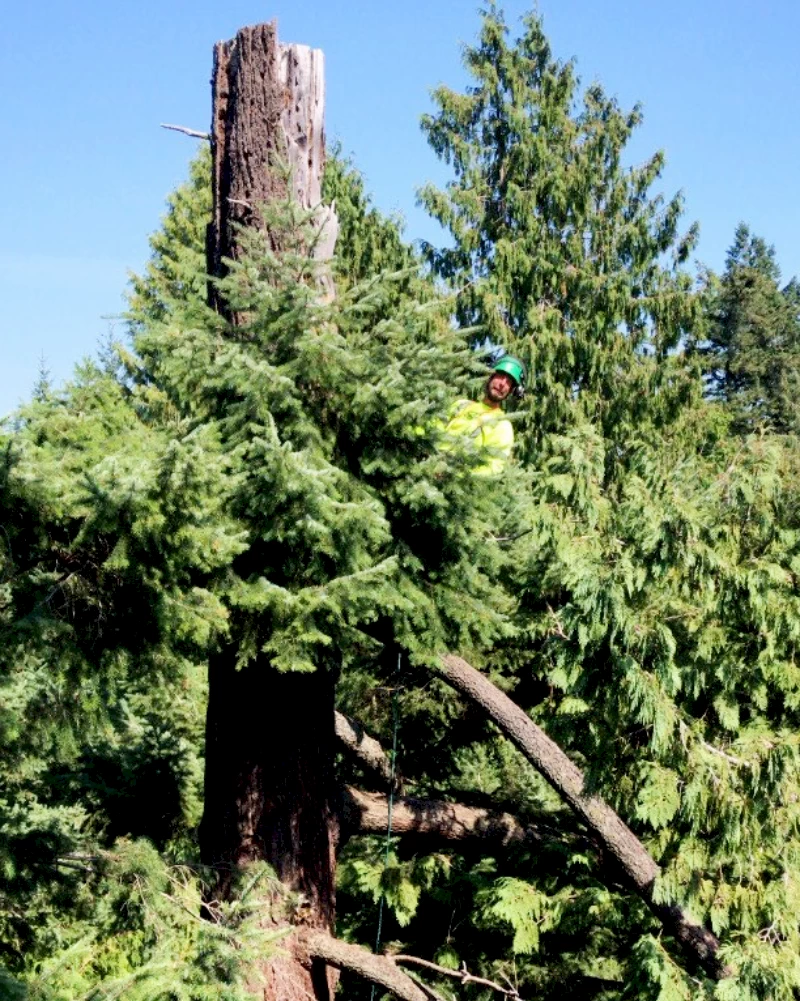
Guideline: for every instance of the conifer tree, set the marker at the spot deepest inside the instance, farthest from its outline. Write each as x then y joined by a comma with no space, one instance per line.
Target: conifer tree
560,251
752,345
284,484
275,489
368,243
99,726
176,276
175,279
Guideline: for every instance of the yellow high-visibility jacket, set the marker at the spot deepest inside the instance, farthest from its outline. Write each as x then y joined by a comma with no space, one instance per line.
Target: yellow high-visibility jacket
489,429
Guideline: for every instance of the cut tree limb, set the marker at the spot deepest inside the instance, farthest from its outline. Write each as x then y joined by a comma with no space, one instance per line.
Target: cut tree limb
380,970
366,749
367,813
567,779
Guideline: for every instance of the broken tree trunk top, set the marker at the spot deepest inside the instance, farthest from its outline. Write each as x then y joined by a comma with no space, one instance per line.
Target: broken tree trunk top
267,137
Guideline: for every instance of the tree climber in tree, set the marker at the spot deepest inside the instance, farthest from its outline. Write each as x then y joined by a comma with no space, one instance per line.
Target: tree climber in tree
484,423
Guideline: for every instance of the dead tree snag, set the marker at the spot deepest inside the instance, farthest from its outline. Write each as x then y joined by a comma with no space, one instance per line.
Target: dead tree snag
270,791
267,127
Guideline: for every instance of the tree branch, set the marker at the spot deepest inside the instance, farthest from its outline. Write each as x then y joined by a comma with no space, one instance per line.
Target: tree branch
187,132
69,864
380,970
367,813
567,779
365,748
462,975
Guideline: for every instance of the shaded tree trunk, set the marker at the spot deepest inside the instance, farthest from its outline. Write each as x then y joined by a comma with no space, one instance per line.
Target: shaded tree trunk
269,784
270,795
270,792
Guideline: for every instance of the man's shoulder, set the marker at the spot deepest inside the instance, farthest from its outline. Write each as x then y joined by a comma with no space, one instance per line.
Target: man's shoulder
473,408
457,406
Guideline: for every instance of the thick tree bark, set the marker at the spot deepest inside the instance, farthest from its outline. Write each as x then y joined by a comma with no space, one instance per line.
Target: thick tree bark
267,142
270,790
270,793
566,778
435,819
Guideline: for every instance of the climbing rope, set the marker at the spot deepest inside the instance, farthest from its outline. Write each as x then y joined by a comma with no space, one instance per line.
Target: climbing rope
392,773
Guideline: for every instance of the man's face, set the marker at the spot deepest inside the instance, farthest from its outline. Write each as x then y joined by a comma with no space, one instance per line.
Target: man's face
499,386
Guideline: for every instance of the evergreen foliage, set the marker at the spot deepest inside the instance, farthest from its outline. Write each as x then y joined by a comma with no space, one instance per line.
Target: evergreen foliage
558,248
751,350
175,276
137,932
277,486
657,550
368,243
267,486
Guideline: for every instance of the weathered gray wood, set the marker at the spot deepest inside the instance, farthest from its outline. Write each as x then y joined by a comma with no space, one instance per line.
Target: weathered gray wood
302,82
268,116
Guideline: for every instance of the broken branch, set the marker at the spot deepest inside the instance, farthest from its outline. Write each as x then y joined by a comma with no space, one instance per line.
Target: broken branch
463,975
380,970
567,779
187,132
369,752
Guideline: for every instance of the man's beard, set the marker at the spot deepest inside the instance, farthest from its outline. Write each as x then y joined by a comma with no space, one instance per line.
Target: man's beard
494,395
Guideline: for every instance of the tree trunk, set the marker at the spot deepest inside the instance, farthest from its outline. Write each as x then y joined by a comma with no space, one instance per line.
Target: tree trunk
269,785
270,795
270,792
267,141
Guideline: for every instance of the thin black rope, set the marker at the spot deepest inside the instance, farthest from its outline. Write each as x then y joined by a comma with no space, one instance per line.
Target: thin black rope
393,769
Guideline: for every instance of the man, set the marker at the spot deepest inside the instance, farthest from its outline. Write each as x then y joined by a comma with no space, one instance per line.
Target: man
484,423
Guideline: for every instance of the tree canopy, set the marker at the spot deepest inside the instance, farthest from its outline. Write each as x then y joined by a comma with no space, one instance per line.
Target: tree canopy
273,491
750,349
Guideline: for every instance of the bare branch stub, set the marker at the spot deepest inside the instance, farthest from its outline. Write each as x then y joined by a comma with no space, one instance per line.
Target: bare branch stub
192,133
463,975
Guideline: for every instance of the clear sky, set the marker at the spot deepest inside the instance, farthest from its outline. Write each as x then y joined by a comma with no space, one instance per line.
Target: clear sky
85,167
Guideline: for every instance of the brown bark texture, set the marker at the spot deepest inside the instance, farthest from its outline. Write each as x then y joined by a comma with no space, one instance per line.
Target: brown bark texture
271,795
270,792
366,749
621,844
433,819
267,127
270,789
380,970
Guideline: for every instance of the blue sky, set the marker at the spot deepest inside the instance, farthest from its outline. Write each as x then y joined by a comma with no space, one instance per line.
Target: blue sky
86,169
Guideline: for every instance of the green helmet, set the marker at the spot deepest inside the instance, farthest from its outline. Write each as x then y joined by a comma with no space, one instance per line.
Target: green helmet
511,366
